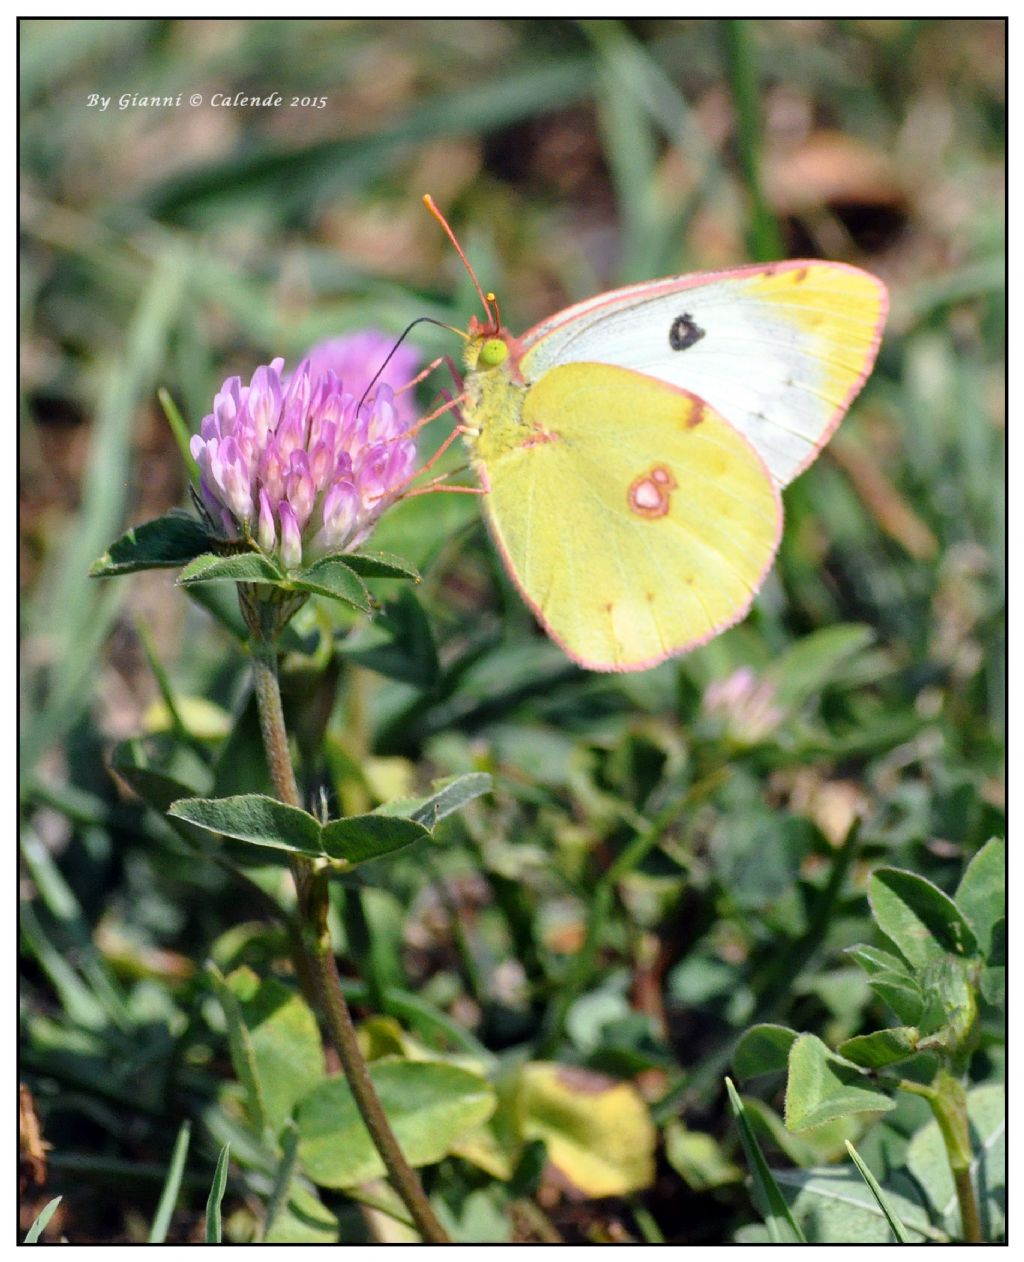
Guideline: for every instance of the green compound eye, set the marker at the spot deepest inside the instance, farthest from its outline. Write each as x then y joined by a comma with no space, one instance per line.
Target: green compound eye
492,353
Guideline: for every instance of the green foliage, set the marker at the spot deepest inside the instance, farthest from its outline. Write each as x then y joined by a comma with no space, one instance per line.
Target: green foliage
263,821
655,882
213,1203
171,541
782,1227
900,1232
822,1087
430,1107
944,962
923,923
172,1186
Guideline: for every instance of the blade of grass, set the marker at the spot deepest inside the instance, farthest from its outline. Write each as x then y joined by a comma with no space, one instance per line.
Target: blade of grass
180,430
778,1219
322,171
283,1176
42,1218
242,1055
213,1202
740,58
893,1219
78,1002
163,683
601,902
633,83
59,900
172,1186
71,617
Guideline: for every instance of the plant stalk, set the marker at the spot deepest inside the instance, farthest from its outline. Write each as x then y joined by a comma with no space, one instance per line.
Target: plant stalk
949,1104
312,895
948,1100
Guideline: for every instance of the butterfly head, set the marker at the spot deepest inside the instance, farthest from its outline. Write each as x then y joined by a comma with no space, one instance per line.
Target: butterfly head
486,347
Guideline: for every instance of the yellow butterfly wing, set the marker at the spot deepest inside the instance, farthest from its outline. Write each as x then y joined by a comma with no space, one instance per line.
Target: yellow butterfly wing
779,349
636,522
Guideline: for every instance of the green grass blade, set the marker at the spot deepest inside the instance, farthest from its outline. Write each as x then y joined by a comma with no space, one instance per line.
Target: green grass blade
43,1217
220,1182
780,1222
763,236
172,1186
283,1176
72,615
893,1219
77,1000
163,682
242,1055
180,430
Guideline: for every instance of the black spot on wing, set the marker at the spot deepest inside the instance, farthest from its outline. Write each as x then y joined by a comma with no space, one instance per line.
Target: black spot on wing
684,332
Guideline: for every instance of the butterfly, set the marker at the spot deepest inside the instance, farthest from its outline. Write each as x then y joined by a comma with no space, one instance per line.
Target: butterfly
632,448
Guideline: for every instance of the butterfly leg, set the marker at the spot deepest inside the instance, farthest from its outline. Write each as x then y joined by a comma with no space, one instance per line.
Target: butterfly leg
445,360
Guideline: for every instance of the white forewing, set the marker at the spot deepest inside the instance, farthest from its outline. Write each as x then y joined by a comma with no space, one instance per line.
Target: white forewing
782,366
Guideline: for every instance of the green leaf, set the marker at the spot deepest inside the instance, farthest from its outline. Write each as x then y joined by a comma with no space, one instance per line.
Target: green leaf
820,1144
283,1178
833,1205
213,1201
182,433
781,1225
815,660
429,1105
901,993
698,1158
381,565
598,1132
331,577
242,567
883,1202
981,894
287,1053
252,817
243,1054
873,959
172,1186
451,795
924,924
882,1047
763,1049
928,1162
263,821
42,1219
821,1086
399,644
160,771
359,838
164,543
303,1219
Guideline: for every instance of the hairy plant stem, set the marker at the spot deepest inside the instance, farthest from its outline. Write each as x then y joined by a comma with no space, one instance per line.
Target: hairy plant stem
311,887
948,1101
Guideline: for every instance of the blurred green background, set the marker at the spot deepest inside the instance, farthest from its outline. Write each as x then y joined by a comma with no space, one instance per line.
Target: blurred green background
172,246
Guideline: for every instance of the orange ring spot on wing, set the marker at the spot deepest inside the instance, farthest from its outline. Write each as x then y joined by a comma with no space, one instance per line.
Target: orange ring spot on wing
650,495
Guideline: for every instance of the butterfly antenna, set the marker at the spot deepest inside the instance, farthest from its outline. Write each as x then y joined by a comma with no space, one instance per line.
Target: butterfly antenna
486,299
408,329
497,311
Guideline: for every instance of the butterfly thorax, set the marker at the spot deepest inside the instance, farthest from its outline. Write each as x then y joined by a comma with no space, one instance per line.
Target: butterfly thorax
495,404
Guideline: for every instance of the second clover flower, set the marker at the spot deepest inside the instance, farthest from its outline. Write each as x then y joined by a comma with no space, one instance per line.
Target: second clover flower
294,464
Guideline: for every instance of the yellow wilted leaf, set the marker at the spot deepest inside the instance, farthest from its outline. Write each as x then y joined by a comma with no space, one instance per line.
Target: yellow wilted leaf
598,1132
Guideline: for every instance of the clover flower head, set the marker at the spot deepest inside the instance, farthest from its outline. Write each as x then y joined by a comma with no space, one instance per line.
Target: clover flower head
746,703
295,463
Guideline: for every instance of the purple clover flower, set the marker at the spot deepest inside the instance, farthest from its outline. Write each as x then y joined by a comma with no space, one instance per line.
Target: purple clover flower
291,462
